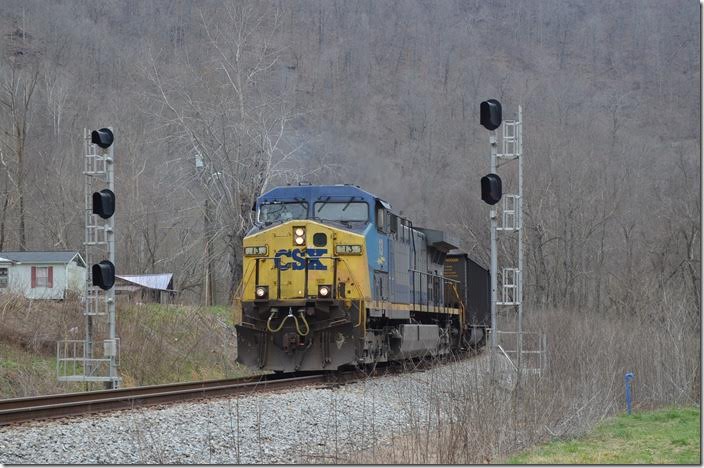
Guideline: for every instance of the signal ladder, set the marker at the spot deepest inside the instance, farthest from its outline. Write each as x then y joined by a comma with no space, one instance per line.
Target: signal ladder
524,352
86,360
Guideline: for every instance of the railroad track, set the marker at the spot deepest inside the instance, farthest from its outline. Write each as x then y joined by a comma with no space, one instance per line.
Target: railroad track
18,410
73,404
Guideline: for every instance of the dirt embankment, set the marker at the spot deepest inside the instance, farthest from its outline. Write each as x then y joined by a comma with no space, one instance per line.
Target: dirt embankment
158,343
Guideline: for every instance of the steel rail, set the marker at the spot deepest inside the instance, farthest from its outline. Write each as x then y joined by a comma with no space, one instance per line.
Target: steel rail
61,405
73,404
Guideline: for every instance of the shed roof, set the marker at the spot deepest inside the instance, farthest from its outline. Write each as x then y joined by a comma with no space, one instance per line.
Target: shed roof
42,256
160,281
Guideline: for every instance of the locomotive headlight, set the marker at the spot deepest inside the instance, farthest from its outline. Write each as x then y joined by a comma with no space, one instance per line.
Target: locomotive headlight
261,292
353,249
324,290
299,235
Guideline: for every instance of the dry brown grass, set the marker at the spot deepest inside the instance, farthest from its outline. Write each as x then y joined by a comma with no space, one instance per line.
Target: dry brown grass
35,326
471,419
176,343
159,344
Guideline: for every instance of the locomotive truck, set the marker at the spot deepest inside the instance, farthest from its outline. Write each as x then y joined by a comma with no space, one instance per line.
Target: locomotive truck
333,277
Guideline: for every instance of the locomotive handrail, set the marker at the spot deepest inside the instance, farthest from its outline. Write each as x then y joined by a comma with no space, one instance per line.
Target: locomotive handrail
362,309
462,306
349,272
362,315
444,278
427,298
239,293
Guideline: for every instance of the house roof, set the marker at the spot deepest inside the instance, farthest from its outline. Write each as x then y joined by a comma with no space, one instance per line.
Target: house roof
159,281
26,256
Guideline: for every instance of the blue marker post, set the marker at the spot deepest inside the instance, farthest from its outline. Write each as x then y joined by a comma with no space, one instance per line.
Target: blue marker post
628,378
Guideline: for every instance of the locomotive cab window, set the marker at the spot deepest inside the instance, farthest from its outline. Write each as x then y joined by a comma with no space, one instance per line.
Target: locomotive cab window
393,223
347,211
381,218
282,211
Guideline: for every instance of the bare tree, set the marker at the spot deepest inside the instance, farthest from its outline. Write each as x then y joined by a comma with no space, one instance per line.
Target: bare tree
16,91
225,108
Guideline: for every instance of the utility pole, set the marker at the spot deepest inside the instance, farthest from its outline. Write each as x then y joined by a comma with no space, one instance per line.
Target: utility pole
208,220
208,283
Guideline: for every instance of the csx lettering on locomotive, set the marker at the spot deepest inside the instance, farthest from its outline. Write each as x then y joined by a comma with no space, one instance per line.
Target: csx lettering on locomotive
298,258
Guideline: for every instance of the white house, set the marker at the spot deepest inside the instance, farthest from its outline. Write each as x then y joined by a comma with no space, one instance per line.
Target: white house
42,275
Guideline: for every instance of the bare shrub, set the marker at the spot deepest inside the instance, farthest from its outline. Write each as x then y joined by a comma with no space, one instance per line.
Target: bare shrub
28,334
464,416
162,344
37,325
158,343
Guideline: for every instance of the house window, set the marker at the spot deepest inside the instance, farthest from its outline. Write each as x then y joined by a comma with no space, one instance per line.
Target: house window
42,277
3,277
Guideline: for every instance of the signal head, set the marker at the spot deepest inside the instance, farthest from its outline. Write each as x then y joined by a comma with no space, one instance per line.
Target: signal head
102,137
490,114
104,203
491,189
103,274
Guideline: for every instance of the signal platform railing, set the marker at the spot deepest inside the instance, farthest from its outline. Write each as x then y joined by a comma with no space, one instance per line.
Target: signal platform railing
73,364
526,351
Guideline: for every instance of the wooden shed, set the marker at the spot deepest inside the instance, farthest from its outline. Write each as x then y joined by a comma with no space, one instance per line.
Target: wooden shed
146,288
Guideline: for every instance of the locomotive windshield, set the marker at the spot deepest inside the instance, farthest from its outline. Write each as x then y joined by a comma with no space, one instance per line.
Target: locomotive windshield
278,211
341,211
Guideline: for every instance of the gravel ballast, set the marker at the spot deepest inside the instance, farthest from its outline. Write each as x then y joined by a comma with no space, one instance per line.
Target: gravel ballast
300,425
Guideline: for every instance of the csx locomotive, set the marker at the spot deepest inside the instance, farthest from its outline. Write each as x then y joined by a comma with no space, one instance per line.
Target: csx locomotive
333,277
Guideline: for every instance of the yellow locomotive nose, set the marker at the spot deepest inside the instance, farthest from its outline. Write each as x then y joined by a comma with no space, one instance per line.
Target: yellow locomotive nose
303,260
297,261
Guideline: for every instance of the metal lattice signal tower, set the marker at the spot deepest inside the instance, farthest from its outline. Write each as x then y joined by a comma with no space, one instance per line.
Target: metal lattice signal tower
510,222
81,360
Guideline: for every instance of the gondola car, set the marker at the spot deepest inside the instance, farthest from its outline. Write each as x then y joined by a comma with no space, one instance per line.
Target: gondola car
333,277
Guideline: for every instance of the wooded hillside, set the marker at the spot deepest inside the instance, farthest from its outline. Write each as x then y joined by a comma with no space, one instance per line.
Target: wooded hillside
383,94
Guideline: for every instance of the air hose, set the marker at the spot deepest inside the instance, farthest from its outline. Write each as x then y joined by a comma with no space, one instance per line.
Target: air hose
281,325
304,323
295,321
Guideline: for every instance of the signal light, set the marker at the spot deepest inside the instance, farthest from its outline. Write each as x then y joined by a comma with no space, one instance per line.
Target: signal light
102,137
491,188
104,274
490,114
104,203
